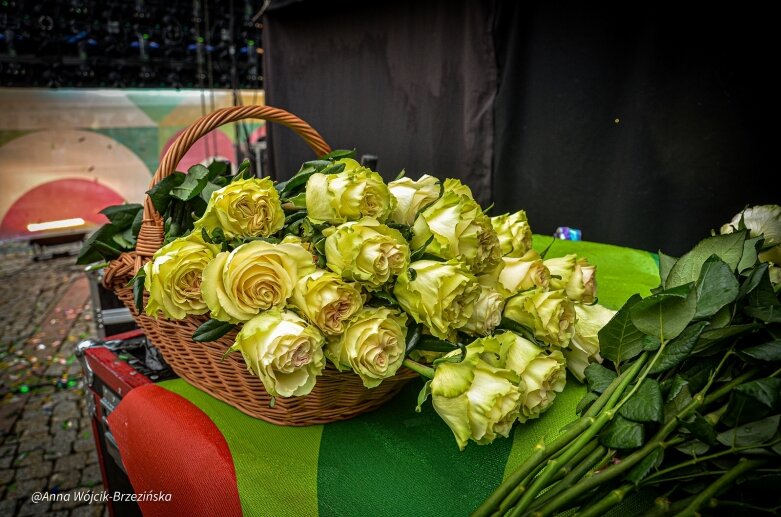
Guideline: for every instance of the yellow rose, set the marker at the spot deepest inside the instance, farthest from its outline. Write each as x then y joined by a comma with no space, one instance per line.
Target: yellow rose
455,227
173,277
550,314
327,300
373,345
349,195
515,274
254,277
440,295
411,196
584,347
366,251
244,208
283,350
515,235
487,313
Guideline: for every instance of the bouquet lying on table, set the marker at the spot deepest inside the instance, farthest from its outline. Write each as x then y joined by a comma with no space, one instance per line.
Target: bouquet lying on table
335,264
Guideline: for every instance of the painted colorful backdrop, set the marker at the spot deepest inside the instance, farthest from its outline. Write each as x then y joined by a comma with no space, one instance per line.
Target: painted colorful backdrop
68,153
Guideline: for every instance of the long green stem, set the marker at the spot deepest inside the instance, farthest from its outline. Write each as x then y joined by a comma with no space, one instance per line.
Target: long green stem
607,502
714,488
555,464
727,388
573,476
425,371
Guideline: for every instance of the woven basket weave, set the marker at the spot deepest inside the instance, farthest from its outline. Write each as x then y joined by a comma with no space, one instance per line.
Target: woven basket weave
336,396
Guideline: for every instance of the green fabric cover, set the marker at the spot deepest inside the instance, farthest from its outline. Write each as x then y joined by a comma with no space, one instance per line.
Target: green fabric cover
395,461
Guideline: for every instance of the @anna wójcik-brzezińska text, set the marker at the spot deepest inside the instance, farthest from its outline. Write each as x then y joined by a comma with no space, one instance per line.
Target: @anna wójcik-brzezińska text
92,497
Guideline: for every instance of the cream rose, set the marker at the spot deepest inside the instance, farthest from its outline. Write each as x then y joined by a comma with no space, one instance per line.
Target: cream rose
372,345
283,350
584,347
487,313
173,277
515,274
515,235
244,208
575,275
411,196
550,314
254,277
327,300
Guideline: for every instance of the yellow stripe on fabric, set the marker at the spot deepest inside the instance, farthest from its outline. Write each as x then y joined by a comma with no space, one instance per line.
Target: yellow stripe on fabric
276,467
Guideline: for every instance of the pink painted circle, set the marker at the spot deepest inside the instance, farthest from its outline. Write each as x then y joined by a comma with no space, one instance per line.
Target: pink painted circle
57,200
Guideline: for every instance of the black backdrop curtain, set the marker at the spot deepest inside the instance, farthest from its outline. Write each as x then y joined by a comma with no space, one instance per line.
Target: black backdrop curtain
642,127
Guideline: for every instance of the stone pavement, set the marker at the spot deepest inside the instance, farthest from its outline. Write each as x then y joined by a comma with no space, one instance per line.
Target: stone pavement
46,442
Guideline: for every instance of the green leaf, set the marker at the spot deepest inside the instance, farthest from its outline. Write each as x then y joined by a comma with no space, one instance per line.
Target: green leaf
122,216
586,402
698,371
160,194
753,280
767,314
208,190
598,377
386,298
338,154
434,344
414,332
212,330
667,313
220,168
767,352
136,226
642,469
299,201
710,337
750,250
753,400
716,287
420,252
196,179
666,263
244,167
700,428
619,339
678,349
728,247
677,398
97,248
400,175
693,448
423,395
645,405
621,433
138,289
752,433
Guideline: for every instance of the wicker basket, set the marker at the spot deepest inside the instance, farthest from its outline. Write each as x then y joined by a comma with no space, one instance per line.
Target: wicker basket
336,396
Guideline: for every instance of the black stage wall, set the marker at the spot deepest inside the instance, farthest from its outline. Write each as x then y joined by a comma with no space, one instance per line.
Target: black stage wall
644,128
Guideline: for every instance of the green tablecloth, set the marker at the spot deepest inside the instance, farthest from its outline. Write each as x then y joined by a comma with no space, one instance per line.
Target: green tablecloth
395,461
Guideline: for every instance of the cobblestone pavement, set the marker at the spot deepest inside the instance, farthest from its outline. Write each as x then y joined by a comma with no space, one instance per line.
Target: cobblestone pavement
46,442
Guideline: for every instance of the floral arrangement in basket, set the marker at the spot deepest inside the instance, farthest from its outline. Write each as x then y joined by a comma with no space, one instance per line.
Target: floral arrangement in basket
336,265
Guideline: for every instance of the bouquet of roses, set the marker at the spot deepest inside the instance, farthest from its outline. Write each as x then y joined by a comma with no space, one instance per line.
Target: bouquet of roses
336,265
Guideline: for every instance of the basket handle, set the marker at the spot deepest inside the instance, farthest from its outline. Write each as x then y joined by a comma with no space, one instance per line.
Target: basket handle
150,237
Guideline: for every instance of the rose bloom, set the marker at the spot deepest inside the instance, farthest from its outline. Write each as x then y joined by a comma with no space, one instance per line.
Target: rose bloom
255,276
542,371
173,277
411,196
487,313
514,232
327,300
584,347
549,314
577,277
455,227
477,400
349,195
372,345
441,295
366,251
283,350
515,274
244,208
762,220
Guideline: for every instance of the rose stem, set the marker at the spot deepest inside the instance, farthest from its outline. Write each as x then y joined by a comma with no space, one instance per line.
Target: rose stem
612,499
657,441
714,488
555,464
425,371
578,472
543,452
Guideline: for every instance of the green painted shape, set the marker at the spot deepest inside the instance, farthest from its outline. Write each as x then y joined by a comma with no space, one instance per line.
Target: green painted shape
155,107
276,467
398,462
141,140
6,135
